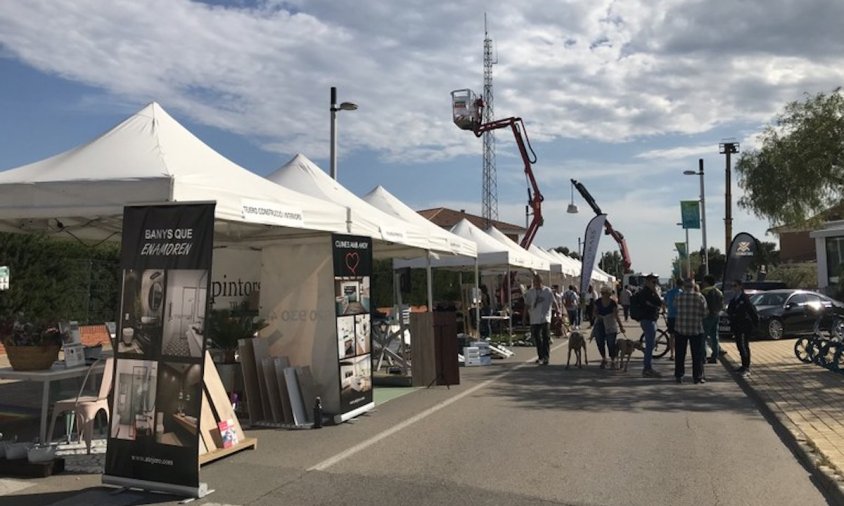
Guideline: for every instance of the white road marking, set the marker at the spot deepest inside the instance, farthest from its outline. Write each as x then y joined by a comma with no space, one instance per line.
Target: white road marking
325,464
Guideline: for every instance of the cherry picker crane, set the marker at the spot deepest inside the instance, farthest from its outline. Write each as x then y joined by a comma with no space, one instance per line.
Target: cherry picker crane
467,111
608,229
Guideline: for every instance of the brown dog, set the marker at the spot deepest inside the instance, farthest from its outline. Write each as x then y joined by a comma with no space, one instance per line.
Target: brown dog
577,343
625,349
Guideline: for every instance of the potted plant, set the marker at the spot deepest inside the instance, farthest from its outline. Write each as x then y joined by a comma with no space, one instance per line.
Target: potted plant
227,326
31,344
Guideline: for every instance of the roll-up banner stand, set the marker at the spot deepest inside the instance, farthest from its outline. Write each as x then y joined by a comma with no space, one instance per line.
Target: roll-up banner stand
153,441
352,289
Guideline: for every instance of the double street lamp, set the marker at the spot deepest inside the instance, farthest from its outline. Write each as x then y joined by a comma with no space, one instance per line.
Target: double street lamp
345,106
702,213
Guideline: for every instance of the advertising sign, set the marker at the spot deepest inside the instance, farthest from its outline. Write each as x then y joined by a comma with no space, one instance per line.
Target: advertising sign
739,257
681,249
352,289
590,249
690,212
153,438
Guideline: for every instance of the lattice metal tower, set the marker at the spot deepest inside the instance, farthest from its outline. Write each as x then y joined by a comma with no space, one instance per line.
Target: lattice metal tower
490,177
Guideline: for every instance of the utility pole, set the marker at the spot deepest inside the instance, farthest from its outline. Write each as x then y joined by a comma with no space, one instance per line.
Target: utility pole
489,199
727,148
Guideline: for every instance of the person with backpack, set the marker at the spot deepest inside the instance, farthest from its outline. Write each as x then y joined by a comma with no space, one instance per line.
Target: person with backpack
571,302
645,306
743,321
714,303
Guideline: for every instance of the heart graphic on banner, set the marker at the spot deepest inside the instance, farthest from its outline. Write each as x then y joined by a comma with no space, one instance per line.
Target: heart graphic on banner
352,261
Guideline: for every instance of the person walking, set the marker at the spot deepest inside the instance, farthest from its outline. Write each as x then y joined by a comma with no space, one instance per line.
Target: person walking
539,301
690,312
743,321
714,304
671,313
571,302
590,297
607,326
625,301
651,304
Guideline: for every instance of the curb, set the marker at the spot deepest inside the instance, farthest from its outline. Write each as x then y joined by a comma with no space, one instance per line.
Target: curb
830,480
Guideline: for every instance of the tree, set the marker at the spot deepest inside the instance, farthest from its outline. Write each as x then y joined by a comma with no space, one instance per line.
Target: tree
799,170
611,263
565,251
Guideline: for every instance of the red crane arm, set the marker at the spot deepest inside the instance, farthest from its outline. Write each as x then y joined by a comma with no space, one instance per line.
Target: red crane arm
608,229
535,197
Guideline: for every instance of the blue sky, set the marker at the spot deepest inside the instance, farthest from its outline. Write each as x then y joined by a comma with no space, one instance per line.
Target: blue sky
622,96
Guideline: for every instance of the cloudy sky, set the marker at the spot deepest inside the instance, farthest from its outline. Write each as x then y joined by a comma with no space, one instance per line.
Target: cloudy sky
621,95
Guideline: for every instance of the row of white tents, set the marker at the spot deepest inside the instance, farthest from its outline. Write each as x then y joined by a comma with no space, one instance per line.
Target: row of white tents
151,158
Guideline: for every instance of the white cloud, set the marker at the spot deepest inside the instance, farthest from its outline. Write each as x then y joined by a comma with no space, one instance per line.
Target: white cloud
598,70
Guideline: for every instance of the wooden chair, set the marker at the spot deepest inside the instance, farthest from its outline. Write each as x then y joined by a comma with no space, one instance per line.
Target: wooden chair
86,407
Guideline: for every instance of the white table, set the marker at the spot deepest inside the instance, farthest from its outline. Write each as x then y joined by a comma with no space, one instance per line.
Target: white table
46,376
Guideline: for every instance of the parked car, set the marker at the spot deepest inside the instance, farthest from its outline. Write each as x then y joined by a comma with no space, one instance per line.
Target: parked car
786,313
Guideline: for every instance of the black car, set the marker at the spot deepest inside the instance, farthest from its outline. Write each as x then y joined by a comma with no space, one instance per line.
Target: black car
787,313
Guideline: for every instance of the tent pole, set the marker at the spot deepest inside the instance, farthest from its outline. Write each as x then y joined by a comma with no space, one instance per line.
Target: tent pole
510,299
430,282
478,291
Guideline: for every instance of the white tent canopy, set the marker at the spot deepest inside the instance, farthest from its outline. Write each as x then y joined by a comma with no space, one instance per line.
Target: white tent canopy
151,158
558,265
491,252
403,238
537,263
385,201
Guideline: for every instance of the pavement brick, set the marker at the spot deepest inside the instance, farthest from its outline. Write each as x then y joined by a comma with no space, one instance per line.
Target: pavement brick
806,398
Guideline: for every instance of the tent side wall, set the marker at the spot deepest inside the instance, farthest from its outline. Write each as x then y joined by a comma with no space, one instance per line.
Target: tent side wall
298,303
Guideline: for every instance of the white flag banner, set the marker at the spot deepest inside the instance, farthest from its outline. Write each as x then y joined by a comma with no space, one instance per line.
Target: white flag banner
590,250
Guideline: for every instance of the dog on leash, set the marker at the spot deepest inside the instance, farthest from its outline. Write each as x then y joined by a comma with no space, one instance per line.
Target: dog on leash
577,343
625,349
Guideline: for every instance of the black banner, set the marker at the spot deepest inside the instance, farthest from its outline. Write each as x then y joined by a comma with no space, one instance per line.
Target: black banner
157,393
742,251
352,289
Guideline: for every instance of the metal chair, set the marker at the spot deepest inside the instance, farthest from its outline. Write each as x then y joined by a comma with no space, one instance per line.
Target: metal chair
86,407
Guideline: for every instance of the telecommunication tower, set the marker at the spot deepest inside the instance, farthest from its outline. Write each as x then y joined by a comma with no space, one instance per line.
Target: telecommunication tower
489,190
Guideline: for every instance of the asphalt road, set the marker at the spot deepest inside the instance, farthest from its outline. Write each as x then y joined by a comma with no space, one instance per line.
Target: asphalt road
512,433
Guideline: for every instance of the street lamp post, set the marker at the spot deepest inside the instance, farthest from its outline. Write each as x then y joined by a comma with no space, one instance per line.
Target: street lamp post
728,148
702,213
345,106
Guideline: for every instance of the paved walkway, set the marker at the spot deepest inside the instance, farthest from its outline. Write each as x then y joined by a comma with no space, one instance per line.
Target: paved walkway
805,399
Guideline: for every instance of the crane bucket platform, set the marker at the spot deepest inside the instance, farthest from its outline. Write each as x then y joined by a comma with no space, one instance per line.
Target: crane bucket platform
466,109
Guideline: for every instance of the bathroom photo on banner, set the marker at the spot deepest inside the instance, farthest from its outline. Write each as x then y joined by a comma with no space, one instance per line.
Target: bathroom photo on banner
166,265
352,272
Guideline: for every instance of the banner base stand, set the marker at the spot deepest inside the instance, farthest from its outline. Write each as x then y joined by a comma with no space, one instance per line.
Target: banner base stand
156,486
219,453
351,414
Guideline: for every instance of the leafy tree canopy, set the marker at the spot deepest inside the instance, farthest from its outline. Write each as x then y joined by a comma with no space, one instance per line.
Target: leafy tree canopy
799,169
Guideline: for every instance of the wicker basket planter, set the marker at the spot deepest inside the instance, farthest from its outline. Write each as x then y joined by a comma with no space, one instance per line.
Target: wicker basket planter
32,358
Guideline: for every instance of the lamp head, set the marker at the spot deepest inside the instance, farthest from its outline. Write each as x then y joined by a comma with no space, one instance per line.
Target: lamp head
572,208
691,172
348,106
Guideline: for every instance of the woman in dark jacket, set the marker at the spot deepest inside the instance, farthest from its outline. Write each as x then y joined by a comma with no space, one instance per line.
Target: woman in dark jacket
743,320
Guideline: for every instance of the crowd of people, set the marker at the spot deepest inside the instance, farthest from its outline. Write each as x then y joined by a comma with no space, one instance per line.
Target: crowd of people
691,311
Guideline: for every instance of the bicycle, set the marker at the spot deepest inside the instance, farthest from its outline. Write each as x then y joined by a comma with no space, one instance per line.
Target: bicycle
822,349
662,340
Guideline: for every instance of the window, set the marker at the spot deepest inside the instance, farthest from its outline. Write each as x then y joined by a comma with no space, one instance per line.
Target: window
834,258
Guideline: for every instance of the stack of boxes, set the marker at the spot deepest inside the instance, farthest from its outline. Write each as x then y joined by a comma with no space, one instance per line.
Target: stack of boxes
477,354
